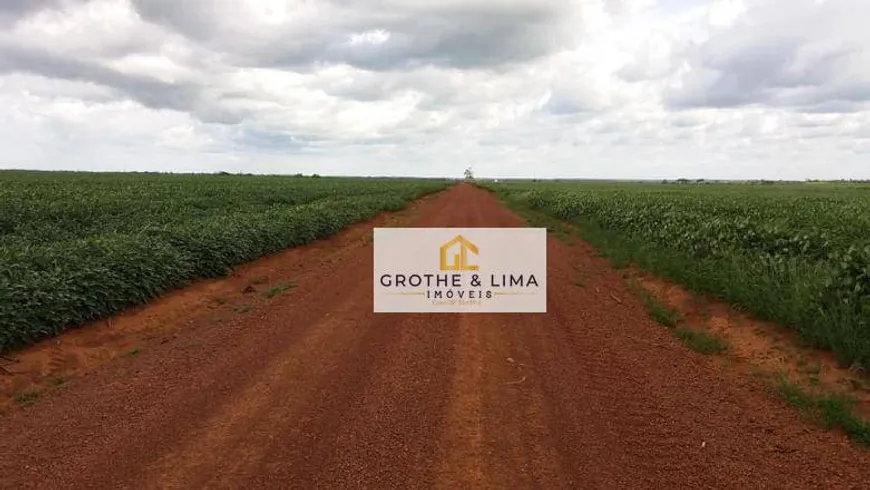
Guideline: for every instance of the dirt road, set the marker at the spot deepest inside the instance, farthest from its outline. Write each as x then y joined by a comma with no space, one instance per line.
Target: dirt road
313,390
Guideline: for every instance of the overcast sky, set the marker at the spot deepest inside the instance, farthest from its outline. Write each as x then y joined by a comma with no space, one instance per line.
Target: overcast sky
531,88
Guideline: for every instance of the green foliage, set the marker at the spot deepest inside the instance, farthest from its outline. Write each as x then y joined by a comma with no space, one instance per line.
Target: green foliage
75,247
657,311
280,288
29,397
832,410
798,254
701,341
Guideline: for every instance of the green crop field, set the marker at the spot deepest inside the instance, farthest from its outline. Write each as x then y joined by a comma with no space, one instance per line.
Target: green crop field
797,253
78,246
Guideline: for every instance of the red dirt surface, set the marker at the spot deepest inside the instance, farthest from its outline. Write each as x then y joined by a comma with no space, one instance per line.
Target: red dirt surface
759,346
311,389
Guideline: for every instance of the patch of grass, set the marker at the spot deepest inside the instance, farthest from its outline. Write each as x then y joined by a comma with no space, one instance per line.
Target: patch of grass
259,280
859,384
580,283
757,373
619,262
57,381
536,219
133,352
661,313
831,411
701,341
793,394
563,236
28,397
243,309
658,311
280,288
220,301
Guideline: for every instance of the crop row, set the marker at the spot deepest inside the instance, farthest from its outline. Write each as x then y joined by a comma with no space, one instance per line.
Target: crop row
46,288
798,258
42,211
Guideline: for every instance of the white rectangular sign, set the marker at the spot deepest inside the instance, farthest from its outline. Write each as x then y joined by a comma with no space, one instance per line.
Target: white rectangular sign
471,270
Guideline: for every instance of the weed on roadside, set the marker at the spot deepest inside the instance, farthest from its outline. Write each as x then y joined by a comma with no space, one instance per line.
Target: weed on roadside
700,341
829,410
279,289
815,368
537,219
661,313
658,311
28,397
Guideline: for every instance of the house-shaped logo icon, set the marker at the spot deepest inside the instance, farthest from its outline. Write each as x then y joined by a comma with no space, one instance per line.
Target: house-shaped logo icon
460,256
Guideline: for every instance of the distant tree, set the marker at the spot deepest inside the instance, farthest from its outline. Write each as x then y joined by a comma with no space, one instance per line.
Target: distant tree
469,174
315,176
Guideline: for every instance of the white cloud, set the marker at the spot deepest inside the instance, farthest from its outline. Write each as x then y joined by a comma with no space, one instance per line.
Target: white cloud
570,88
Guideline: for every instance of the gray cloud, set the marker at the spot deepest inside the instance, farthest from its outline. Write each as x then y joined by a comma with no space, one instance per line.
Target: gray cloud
11,11
150,92
17,8
272,141
563,102
448,34
365,86
834,107
395,86
424,49
685,121
806,56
